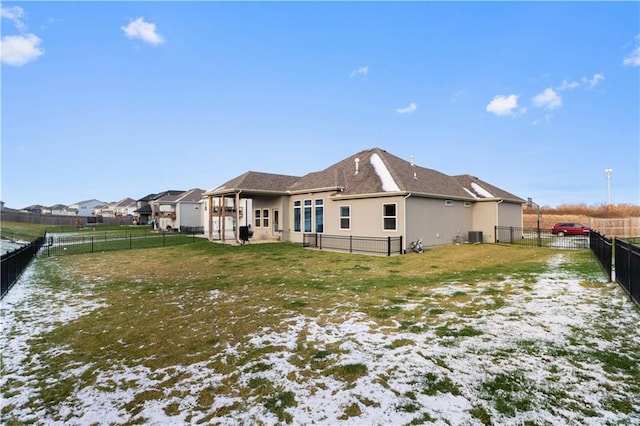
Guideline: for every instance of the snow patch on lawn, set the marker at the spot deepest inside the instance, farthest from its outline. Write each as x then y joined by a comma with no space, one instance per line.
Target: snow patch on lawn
522,339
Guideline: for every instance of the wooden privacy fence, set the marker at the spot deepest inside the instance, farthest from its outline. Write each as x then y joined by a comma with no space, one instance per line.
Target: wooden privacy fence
620,227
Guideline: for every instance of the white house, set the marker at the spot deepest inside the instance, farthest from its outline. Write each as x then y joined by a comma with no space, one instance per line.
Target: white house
86,208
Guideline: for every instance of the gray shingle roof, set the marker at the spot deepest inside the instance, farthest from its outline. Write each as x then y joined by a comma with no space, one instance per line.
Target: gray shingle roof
408,178
256,182
369,172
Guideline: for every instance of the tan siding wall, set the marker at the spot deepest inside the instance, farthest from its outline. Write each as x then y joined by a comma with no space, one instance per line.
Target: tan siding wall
366,216
435,222
484,219
270,203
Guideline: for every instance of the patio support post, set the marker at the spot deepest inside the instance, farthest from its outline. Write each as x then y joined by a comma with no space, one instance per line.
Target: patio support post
223,208
236,206
210,218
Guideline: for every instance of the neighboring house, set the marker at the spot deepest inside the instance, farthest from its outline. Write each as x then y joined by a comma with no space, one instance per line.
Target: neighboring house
173,211
34,209
61,210
189,209
145,207
125,207
105,210
372,193
145,212
86,208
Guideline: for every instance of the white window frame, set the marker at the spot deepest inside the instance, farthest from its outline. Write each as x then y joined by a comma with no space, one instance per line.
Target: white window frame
297,205
257,219
394,217
318,203
341,217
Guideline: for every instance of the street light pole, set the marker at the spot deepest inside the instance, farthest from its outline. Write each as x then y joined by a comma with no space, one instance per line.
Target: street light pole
608,172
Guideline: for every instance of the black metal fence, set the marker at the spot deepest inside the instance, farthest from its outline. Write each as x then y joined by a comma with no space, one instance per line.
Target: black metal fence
534,237
64,244
602,248
371,245
14,263
627,267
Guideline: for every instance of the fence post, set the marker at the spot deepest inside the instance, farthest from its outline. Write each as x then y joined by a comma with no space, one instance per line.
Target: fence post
320,238
511,234
164,239
350,243
130,241
91,244
400,244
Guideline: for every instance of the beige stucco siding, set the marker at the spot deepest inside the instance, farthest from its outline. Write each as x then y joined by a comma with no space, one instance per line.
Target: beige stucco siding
269,230
489,214
365,219
485,215
437,221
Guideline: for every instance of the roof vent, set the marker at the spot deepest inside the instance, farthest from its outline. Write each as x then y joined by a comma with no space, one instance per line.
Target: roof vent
411,160
415,176
357,165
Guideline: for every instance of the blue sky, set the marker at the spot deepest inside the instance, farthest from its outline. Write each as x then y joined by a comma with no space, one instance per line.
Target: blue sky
122,99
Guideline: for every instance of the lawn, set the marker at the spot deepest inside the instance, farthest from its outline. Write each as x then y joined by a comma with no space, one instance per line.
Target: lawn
274,333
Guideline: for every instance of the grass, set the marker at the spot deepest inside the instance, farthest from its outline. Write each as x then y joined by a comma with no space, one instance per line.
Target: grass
182,305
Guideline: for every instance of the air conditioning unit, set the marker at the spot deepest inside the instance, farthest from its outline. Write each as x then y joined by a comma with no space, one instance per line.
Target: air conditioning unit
475,236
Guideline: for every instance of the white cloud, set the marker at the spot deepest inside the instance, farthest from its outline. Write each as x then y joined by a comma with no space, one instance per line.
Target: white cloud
548,99
567,85
457,95
362,71
593,81
145,31
19,49
633,58
14,14
408,109
503,105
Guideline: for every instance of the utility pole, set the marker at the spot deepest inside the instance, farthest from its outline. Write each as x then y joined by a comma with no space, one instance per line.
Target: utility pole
608,172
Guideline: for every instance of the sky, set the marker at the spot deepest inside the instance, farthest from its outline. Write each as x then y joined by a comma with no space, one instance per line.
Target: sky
109,100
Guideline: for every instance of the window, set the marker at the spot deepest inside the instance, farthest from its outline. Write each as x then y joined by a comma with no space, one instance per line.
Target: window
389,218
345,217
257,218
297,215
319,216
265,218
307,215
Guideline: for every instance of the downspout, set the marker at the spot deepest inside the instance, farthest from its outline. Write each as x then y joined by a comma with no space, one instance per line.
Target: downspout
404,222
237,205
500,201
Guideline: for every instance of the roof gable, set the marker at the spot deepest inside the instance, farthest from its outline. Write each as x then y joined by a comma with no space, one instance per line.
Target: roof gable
480,189
376,171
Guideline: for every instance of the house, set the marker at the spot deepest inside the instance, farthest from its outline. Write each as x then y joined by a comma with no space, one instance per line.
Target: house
34,209
86,208
61,210
144,209
177,211
124,207
372,193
